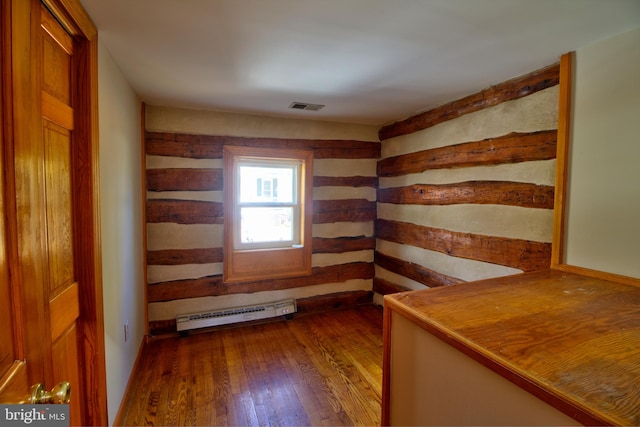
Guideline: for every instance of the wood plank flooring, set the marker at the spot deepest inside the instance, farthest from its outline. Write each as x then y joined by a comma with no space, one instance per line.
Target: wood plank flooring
317,369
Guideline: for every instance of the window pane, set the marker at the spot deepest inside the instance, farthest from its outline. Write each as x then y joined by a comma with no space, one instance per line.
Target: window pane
262,224
274,184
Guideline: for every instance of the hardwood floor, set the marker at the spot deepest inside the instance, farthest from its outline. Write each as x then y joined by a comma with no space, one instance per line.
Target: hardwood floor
317,369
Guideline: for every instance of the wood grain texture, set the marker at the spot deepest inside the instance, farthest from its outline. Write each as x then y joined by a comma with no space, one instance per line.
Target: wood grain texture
562,158
35,66
63,39
317,369
9,312
414,271
179,145
214,285
177,179
472,192
169,210
345,181
59,203
598,274
385,287
211,146
24,176
143,219
62,215
334,301
350,210
63,310
184,211
56,111
342,244
525,255
387,324
209,255
510,148
494,95
184,256
73,17
570,340
86,152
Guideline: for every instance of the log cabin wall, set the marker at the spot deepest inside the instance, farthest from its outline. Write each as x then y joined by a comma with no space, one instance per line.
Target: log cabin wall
466,189
184,211
464,192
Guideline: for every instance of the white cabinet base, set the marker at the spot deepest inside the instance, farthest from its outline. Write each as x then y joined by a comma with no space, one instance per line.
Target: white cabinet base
432,383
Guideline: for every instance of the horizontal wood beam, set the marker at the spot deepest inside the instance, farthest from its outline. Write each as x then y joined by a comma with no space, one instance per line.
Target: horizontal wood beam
184,212
511,148
521,254
214,285
199,212
184,256
414,271
336,245
385,287
494,95
182,145
184,179
351,210
333,301
472,192
213,255
211,146
345,181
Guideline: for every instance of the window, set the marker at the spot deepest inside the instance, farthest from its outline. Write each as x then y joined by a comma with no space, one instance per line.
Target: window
267,213
268,218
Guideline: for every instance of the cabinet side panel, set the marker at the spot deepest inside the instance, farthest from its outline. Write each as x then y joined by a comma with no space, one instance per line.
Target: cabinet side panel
432,383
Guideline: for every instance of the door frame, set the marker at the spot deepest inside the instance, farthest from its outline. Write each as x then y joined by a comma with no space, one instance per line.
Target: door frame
20,112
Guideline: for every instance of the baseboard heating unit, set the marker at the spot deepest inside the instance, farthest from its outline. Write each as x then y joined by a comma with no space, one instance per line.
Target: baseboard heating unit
185,322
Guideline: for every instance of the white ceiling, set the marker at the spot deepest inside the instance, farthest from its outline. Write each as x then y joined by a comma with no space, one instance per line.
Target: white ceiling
369,61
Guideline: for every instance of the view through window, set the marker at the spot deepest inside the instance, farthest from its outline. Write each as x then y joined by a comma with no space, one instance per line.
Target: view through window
268,199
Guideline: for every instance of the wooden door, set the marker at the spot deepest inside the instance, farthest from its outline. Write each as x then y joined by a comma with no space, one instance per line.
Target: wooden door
50,241
59,246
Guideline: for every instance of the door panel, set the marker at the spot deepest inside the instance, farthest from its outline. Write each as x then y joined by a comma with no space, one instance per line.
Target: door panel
7,347
56,51
13,375
57,127
21,247
58,207
64,310
47,266
65,350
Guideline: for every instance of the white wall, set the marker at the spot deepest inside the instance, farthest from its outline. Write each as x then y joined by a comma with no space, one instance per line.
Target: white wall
121,211
603,228
170,119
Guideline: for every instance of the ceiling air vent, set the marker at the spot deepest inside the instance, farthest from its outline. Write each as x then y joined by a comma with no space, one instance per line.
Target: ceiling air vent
305,106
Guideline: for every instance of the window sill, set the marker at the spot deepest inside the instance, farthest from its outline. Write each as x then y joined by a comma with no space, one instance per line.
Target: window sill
261,264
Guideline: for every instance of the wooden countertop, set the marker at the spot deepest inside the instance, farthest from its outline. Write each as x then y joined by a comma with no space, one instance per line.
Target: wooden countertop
571,340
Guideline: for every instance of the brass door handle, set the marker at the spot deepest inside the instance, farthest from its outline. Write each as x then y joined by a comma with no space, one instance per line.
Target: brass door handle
61,393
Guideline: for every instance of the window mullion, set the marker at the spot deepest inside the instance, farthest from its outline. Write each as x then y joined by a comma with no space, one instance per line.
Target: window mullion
268,205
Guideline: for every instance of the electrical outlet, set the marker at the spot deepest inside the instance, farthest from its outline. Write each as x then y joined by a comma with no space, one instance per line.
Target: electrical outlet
126,330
